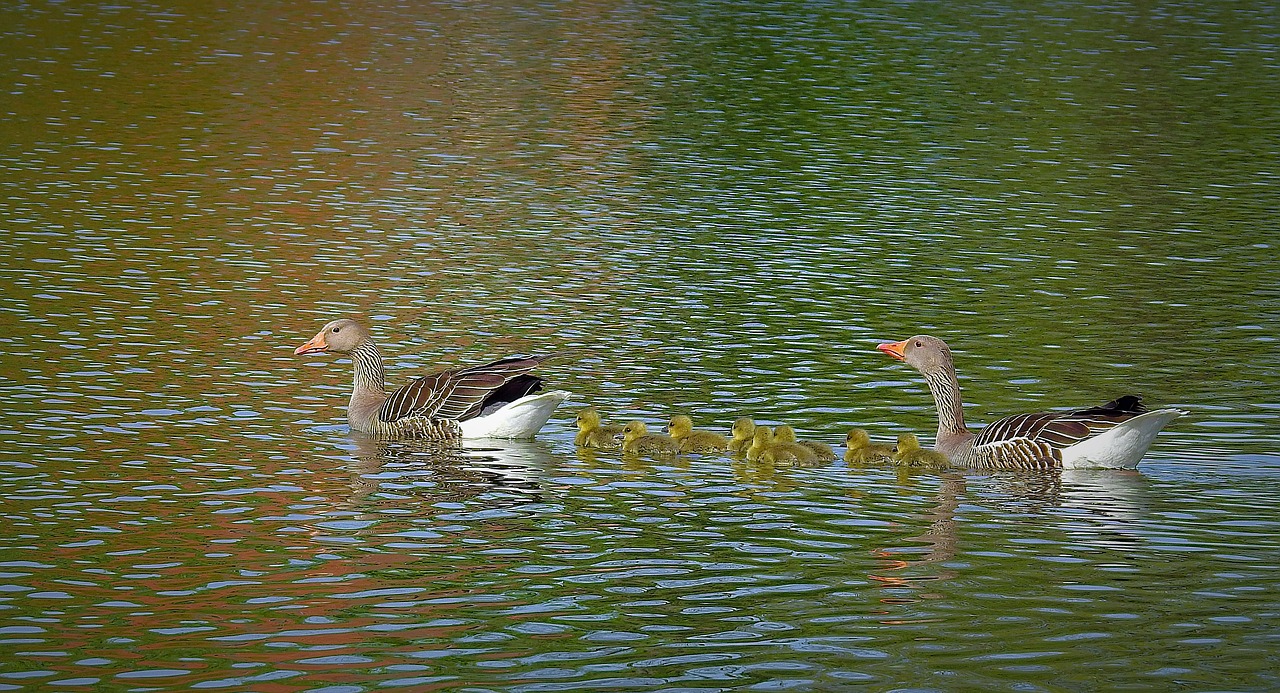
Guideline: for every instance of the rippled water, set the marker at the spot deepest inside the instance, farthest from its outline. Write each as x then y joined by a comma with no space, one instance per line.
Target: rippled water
718,209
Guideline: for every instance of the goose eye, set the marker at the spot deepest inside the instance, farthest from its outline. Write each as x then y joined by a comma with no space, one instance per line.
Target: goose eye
336,330
918,344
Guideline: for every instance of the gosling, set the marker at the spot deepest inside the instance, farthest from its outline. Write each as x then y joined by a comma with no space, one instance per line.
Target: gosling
862,451
910,454
743,431
822,451
765,449
637,439
591,434
681,428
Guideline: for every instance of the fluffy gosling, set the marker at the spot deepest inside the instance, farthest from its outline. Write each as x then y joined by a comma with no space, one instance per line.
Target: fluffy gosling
743,431
862,451
765,449
822,452
591,434
681,428
910,454
636,438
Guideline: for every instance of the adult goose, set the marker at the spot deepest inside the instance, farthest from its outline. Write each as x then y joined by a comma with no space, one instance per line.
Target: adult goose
1114,435
495,400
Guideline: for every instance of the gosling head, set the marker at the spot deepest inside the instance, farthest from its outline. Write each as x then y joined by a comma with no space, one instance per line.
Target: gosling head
587,418
633,430
744,428
784,434
679,426
908,442
857,438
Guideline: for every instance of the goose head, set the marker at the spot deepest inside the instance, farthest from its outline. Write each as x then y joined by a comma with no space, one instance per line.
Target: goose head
922,352
341,336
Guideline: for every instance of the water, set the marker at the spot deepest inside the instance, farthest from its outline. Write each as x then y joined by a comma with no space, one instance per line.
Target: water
720,210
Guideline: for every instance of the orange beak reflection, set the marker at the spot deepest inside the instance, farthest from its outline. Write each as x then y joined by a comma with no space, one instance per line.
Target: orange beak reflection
895,349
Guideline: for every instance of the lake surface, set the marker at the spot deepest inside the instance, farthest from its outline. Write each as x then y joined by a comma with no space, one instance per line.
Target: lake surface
717,208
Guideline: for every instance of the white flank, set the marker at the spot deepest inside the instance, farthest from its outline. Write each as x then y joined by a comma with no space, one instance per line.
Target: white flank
522,418
1121,447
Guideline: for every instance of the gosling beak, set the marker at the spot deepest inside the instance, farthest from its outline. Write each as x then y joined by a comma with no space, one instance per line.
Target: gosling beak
895,349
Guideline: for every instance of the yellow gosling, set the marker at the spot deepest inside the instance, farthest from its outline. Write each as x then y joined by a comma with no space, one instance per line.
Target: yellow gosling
591,434
821,451
681,428
788,452
862,451
743,431
910,454
760,439
637,439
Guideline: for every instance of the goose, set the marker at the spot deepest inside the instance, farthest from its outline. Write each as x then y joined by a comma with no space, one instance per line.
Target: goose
1114,435
494,400
591,434
860,449
822,452
909,453
743,432
681,428
636,438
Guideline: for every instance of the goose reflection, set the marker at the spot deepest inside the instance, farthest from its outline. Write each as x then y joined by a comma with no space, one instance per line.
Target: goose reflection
448,472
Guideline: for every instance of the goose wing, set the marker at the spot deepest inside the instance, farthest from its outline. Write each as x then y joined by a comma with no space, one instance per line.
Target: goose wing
1037,440
463,393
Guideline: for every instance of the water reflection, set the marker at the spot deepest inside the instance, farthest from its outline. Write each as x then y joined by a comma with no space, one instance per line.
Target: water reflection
509,471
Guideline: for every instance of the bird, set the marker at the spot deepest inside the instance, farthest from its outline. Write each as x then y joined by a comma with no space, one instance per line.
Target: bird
822,451
636,438
742,433
493,400
1114,435
681,428
860,449
592,434
765,448
909,453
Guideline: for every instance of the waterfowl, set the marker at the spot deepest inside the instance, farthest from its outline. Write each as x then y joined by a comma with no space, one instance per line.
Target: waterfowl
681,428
592,434
822,451
494,400
860,449
636,438
761,436
765,448
1114,435
909,453
743,432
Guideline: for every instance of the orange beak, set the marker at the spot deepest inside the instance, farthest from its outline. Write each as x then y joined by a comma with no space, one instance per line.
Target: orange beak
315,345
895,349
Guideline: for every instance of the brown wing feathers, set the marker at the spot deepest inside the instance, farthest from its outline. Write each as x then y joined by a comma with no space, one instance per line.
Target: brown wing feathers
1062,429
463,393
